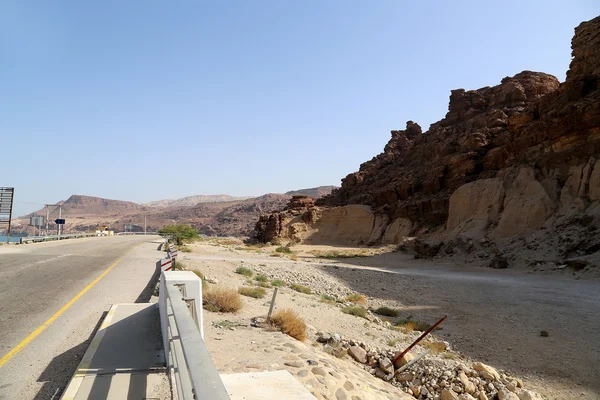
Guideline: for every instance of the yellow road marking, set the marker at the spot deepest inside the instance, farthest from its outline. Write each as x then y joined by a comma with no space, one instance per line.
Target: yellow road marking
53,318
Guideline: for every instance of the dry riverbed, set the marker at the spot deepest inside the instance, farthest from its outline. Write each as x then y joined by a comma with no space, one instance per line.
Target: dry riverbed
493,316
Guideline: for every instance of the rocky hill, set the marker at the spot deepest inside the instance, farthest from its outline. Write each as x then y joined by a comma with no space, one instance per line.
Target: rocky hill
226,216
514,159
312,192
191,201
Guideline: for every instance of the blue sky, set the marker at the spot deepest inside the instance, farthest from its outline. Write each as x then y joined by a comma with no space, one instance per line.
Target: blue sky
145,100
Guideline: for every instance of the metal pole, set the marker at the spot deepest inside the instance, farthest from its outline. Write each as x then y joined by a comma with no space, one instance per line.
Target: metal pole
399,356
144,224
47,216
272,305
59,217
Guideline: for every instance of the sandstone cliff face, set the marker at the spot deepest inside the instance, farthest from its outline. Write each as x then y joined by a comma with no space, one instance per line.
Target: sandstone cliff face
506,160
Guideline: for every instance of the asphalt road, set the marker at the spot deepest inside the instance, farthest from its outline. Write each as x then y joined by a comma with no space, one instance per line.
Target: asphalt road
38,280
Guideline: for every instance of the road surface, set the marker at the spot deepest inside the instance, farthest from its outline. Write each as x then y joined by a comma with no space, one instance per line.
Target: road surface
43,333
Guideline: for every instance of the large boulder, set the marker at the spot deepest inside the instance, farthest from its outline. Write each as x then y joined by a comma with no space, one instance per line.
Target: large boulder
397,231
474,205
526,205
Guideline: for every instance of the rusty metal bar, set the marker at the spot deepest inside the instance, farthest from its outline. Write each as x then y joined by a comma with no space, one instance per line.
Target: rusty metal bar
427,332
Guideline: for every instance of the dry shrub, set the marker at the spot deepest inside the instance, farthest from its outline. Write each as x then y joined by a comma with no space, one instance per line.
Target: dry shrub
355,310
293,257
302,289
256,292
434,347
387,312
357,299
221,300
290,323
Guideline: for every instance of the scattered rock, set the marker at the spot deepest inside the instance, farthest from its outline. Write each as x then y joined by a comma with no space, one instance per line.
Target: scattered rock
505,394
449,395
402,361
386,365
358,353
481,367
498,262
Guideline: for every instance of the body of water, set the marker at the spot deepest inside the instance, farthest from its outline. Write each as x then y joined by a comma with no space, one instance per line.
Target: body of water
12,239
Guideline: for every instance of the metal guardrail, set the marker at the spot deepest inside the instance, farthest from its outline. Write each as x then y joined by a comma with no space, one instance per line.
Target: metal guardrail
196,376
136,233
33,239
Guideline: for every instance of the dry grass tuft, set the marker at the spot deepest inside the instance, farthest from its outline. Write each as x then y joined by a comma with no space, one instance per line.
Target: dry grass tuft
199,274
357,299
221,300
244,271
290,323
387,312
255,292
355,310
301,289
434,347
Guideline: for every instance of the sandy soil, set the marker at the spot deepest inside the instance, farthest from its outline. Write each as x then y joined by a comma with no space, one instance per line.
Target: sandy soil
493,316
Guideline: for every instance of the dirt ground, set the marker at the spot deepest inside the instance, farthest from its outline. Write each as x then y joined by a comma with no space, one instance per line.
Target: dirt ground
493,316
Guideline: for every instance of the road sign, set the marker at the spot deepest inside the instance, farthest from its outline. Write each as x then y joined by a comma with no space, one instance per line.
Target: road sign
37,220
59,221
6,203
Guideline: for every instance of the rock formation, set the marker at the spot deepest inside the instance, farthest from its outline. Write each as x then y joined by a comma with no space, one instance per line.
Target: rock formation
506,160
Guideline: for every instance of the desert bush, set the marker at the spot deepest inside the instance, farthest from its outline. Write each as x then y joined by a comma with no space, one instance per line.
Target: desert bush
387,312
301,289
325,298
290,323
357,299
276,255
278,282
255,292
179,234
341,254
244,271
434,347
284,249
261,278
199,274
412,325
293,257
263,284
221,300
355,310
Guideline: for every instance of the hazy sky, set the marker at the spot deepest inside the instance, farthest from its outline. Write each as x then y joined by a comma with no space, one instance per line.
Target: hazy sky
145,100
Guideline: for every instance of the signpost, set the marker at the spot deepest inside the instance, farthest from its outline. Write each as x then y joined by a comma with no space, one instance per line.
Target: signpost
37,220
59,222
6,204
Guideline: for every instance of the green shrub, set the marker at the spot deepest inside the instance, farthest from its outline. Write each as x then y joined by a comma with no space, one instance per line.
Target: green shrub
278,282
179,233
256,292
301,289
355,310
244,271
284,249
263,284
387,312
261,278
357,299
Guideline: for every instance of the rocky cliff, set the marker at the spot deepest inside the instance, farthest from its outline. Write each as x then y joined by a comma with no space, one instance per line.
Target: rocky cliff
505,161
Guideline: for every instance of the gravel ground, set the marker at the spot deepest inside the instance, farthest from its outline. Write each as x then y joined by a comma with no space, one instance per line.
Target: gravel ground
493,317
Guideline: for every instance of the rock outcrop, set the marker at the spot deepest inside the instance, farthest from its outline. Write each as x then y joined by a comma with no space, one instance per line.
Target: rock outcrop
506,160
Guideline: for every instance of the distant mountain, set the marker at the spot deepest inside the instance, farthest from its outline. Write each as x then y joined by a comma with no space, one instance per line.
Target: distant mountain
191,201
212,215
312,192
